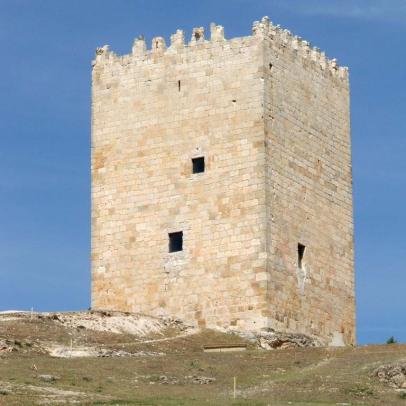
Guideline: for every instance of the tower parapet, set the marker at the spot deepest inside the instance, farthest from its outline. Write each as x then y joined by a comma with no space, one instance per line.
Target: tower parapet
261,30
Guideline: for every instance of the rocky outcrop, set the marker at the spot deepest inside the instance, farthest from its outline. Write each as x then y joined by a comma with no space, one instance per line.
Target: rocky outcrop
393,375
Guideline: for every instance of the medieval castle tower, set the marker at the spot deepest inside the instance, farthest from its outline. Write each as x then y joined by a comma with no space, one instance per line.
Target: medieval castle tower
221,183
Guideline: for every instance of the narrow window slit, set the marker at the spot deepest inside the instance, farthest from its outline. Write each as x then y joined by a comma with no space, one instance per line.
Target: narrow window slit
300,254
179,86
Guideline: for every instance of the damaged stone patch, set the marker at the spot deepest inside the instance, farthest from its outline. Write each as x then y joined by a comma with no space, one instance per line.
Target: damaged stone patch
271,340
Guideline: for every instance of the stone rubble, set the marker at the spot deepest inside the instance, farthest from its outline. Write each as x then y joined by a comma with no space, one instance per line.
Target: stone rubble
273,340
270,340
393,375
200,380
172,380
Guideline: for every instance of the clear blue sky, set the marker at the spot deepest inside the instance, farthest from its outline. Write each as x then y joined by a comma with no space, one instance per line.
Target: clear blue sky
46,49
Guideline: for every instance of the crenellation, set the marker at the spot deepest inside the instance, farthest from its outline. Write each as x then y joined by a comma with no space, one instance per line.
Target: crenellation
197,36
315,54
305,49
261,29
158,45
102,53
343,72
295,42
285,37
139,46
178,39
216,32
323,60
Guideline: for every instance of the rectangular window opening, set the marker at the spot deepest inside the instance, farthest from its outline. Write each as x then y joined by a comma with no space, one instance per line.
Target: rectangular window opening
176,241
300,254
179,87
198,165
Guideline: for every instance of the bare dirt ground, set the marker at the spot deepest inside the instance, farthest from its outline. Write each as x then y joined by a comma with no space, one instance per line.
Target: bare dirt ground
93,358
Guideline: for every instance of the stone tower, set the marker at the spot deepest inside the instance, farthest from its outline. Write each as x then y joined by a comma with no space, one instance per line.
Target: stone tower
221,183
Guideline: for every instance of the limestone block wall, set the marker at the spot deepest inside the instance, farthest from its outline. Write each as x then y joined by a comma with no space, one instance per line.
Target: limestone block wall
309,189
270,116
153,111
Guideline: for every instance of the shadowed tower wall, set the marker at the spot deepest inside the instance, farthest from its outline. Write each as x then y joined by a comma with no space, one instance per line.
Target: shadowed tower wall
309,190
270,117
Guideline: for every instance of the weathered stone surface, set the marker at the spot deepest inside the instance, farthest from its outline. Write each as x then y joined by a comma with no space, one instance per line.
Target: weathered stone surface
392,374
270,115
269,339
273,340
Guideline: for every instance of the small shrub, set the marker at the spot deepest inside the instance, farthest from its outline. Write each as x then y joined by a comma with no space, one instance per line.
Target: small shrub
402,395
391,340
359,390
195,364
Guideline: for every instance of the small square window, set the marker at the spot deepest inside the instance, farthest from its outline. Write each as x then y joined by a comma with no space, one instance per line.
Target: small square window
176,241
198,165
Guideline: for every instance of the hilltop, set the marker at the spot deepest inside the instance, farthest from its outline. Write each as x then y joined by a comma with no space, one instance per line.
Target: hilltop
101,358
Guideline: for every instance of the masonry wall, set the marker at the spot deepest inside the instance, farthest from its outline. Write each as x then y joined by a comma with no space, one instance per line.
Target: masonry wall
270,115
153,111
309,191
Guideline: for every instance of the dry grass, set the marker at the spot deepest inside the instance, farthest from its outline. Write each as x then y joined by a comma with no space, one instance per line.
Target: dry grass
282,377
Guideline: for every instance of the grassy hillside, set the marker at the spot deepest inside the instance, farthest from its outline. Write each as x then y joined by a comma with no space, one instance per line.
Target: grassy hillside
162,363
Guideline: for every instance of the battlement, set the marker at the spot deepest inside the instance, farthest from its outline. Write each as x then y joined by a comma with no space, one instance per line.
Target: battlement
263,30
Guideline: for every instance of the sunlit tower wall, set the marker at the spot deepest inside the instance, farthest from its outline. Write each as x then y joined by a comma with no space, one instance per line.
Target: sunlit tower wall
221,183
